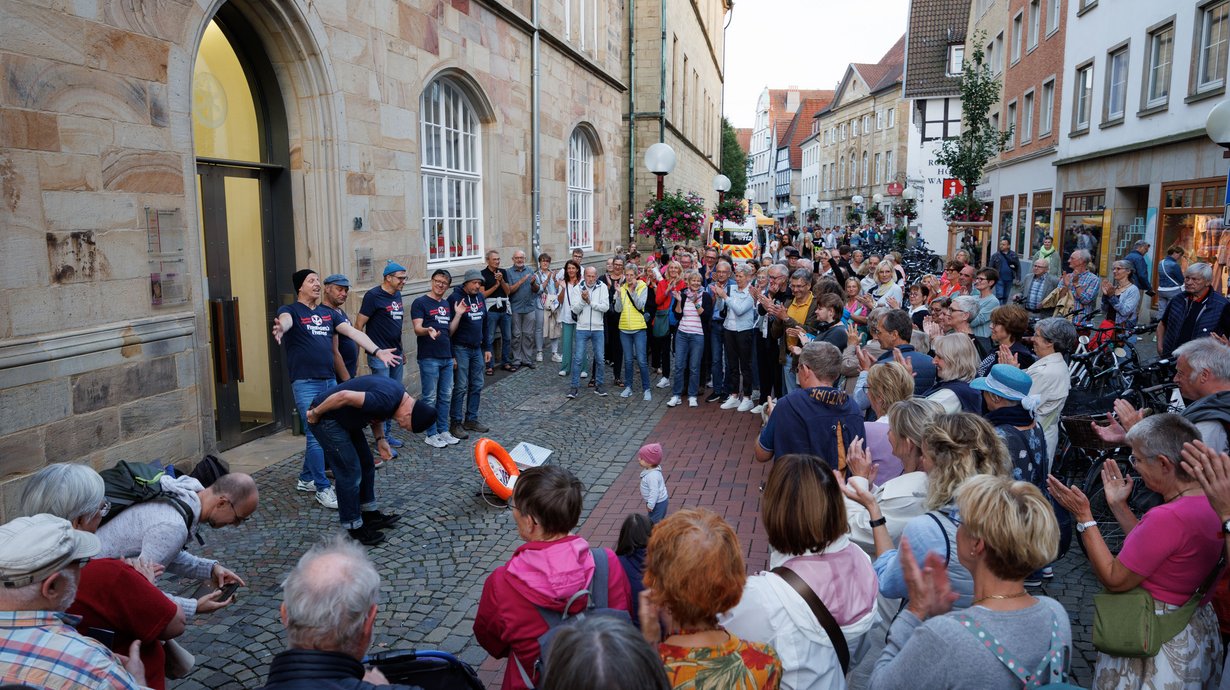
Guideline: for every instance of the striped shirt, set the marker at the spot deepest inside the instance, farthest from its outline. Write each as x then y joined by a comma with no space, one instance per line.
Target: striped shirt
690,321
42,650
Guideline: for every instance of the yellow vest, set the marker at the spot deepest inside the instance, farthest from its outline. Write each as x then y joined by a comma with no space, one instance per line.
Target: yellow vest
631,318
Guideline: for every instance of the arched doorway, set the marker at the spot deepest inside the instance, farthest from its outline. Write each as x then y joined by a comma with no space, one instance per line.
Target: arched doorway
242,156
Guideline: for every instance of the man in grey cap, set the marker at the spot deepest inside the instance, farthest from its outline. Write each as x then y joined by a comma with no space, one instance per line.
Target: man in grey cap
337,289
468,350
40,565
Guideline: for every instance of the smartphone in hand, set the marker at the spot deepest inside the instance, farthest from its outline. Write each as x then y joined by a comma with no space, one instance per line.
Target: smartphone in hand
228,591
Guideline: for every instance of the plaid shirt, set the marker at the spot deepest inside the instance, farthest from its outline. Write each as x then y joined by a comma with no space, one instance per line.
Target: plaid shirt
1085,292
41,649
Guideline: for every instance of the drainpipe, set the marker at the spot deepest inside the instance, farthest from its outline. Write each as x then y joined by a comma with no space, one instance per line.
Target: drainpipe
631,122
536,134
662,82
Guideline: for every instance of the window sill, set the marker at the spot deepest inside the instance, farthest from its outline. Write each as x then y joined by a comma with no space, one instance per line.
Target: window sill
1106,124
1079,132
1031,49
1081,12
1044,135
1202,95
1153,109
1052,32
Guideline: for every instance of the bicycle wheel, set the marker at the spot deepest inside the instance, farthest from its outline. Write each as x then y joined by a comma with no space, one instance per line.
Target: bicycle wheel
1112,533
1071,463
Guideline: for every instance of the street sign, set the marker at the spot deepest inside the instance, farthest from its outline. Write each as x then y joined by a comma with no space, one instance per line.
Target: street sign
894,189
952,187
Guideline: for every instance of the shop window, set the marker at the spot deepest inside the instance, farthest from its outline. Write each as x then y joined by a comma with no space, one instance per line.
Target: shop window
1188,209
1083,217
1006,216
1040,228
452,181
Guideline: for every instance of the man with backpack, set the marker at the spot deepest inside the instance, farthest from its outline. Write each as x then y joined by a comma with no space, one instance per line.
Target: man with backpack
159,528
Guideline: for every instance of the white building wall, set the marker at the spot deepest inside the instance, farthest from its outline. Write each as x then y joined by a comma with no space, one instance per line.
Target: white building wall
810,190
926,177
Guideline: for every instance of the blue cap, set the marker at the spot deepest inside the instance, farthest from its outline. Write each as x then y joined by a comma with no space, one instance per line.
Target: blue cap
393,267
338,279
1006,381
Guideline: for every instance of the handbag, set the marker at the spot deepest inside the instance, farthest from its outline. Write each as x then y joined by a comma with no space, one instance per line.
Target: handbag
821,613
1125,625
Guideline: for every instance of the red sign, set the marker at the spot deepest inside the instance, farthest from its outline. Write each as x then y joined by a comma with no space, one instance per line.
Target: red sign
894,189
952,187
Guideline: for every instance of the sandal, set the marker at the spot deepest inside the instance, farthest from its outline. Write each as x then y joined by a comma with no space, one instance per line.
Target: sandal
490,371
509,367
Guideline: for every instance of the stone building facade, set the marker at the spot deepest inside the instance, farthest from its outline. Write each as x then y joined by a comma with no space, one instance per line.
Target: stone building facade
165,167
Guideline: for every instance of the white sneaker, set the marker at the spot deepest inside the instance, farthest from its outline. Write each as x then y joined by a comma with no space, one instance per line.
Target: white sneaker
627,393
538,358
691,402
664,383
585,374
746,405
435,441
449,438
647,397
306,485
556,357
563,373
327,498
758,409
674,401
731,403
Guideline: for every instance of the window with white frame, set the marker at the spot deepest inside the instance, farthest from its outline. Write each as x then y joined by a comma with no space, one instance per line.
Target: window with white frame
889,172
879,120
1082,97
1052,15
892,117
997,63
844,130
989,54
841,172
1027,117
1018,35
1035,22
956,60
1011,116
866,171
1211,56
580,191
854,127
1158,66
451,173
866,124
1046,111
879,170
1116,83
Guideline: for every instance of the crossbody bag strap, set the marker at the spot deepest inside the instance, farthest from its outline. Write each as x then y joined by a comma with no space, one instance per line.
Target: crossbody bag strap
821,613
1171,624
598,587
947,543
1052,669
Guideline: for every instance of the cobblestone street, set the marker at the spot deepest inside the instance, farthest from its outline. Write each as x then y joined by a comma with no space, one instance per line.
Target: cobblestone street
434,563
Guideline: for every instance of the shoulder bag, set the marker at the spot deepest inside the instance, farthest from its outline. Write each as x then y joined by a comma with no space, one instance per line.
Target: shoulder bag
820,612
1125,624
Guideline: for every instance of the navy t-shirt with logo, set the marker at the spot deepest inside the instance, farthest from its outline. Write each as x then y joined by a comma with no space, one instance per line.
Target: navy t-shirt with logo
309,341
500,293
437,314
347,347
470,330
384,313
807,421
381,397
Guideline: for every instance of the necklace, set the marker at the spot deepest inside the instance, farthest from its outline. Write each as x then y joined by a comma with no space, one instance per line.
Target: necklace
1181,493
1017,595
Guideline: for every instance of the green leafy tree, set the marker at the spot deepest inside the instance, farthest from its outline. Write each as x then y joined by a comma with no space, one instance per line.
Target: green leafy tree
966,156
734,161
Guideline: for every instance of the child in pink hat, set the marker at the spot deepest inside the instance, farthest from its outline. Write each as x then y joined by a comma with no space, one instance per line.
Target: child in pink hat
653,486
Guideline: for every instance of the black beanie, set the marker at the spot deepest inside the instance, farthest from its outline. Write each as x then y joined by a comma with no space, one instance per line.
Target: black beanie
421,417
299,277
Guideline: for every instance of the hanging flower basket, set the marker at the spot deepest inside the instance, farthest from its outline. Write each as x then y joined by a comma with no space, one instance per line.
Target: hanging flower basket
876,215
963,208
677,217
730,211
853,217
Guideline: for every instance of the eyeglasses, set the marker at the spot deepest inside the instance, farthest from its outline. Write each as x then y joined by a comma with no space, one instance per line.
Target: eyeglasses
104,508
239,519
511,505
400,279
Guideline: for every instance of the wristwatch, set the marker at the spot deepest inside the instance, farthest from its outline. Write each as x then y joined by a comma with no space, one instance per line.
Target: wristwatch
1082,526
883,521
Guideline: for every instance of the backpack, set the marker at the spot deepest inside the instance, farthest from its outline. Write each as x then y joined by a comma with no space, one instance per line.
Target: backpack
131,483
208,470
555,620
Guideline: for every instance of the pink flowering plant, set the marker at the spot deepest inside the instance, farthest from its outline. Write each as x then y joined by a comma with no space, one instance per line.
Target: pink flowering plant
730,211
677,217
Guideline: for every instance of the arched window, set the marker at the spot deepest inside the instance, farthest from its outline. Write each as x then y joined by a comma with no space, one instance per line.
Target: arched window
580,192
452,181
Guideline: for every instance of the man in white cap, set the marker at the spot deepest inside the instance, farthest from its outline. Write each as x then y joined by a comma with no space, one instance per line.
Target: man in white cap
40,565
470,353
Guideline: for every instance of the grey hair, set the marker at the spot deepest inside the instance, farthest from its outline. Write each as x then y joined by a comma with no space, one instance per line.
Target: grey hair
745,268
1202,270
65,490
687,275
603,652
1060,332
1141,243
967,304
779,270
801,274
1082,255
1206,354
1163,434
823,358
1043,261
328,595
960,357
1125,265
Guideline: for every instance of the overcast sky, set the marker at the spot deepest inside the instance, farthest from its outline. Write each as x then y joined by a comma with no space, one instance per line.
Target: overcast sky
803,43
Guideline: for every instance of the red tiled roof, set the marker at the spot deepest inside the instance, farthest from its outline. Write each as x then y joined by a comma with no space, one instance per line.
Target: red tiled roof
778,114
800,127
744,135
933,26
879,75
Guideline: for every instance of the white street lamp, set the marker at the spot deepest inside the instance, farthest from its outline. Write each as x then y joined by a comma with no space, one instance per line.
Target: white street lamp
857,199
721,185
908,194
1218,124
660,160
878,199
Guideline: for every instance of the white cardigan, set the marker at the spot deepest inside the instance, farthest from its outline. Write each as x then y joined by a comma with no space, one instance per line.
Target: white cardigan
1051,384
901,499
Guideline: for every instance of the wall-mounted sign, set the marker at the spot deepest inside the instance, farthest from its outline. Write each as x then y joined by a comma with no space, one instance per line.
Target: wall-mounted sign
952,187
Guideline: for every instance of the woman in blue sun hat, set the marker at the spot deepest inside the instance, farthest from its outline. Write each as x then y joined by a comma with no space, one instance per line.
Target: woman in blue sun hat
1009,408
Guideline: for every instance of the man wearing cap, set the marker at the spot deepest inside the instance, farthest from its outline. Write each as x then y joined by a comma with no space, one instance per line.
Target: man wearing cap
381,317
337,417
40,565
309,332
792,258
434,321
469,354
334,294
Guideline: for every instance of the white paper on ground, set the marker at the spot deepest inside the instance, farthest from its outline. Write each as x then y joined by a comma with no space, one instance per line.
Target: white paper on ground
528,455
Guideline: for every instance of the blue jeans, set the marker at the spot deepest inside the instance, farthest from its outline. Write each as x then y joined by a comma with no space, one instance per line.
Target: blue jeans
436,375
717,363
353,468
659,512
594,338
689,347
378,368
469,384
1002,290
503,321
792,381
634,345
305,391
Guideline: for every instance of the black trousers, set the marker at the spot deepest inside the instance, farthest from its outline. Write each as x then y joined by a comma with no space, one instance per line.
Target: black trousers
771,382
739,361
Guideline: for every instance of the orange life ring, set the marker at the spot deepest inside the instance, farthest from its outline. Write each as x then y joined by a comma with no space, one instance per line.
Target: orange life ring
497,467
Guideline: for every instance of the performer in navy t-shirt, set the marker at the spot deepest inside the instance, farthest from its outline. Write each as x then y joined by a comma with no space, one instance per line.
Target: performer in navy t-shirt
469,354
815,418
334,294
380,316
309,331
434,322
337,417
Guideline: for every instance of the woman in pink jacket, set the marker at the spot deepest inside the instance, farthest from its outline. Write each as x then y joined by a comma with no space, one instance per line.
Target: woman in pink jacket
543,573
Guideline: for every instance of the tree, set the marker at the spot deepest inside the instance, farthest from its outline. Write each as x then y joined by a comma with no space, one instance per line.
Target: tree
734,161
966,156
